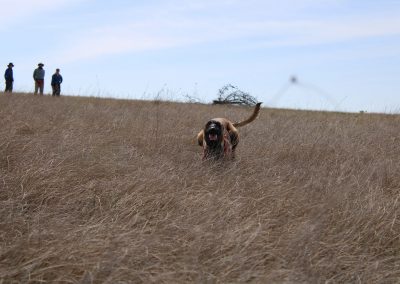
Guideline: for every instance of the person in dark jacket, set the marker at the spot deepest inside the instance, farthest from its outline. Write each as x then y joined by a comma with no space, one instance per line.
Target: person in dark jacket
8,75
56,81
38,76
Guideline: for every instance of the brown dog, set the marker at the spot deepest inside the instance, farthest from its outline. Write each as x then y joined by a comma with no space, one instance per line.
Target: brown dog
220,136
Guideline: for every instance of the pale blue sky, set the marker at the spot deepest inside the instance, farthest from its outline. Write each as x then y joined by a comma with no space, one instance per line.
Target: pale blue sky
345,54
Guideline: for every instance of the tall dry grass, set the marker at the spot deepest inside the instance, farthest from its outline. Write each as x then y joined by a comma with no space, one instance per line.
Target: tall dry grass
110,191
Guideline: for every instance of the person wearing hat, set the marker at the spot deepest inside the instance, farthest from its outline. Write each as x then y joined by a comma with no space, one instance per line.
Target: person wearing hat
38,76
56,81
8,75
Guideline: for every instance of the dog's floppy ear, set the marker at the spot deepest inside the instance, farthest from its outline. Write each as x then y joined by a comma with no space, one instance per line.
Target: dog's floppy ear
200,138
234,136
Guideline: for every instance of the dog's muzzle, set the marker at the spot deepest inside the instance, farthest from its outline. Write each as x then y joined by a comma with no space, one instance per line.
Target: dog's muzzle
212,134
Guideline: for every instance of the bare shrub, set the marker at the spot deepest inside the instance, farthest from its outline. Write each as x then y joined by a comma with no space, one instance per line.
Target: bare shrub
230,94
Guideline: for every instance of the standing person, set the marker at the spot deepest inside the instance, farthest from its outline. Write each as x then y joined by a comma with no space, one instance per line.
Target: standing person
56,81
8,75
38,76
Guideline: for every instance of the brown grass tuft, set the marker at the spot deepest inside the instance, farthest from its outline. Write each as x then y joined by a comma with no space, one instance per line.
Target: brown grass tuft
87,196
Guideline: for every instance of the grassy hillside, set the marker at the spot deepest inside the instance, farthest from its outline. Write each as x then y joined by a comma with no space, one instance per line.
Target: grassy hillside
111,191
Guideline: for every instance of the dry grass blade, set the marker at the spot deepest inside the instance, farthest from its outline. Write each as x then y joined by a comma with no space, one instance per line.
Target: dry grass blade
109,191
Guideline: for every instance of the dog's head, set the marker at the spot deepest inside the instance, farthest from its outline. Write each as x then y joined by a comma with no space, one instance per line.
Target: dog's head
213,134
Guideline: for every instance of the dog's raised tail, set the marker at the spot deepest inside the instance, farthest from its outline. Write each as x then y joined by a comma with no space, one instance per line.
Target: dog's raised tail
251,118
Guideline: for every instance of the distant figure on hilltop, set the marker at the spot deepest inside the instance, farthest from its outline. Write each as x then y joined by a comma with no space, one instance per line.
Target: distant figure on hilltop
8,75
56,81
38,76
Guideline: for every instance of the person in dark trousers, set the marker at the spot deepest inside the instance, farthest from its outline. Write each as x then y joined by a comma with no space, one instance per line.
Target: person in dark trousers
38,76
8,75
56,81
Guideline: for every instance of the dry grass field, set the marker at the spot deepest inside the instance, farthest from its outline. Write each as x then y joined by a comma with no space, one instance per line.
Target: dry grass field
113,191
